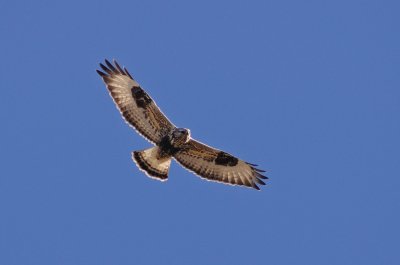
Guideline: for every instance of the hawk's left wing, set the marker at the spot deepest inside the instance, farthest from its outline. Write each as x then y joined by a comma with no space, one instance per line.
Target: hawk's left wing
136,106
216,165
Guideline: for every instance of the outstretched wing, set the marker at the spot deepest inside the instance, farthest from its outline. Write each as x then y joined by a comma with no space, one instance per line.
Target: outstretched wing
136,106
216,165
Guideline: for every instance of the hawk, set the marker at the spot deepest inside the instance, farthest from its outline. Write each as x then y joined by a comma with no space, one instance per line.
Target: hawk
141,112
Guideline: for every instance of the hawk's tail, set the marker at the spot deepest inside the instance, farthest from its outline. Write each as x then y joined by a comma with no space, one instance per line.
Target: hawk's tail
148,161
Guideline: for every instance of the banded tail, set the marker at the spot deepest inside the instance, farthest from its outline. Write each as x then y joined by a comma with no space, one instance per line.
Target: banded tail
151,163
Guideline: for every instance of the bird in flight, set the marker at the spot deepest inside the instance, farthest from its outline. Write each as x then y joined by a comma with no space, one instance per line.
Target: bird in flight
141,112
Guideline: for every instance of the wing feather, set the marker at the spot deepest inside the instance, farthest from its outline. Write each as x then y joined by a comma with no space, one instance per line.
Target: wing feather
137,108
216,165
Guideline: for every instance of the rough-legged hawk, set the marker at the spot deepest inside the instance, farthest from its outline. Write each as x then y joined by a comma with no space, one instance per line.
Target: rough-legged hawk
141,112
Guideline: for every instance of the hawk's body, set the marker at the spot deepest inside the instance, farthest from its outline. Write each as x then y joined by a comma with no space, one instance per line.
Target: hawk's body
140,111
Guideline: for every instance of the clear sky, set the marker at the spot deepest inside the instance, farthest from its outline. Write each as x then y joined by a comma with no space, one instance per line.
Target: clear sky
309,90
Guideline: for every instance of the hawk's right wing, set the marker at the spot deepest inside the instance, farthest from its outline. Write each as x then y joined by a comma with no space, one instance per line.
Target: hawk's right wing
216,165
136,106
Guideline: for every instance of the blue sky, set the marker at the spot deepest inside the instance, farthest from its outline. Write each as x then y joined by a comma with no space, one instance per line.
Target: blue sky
310,91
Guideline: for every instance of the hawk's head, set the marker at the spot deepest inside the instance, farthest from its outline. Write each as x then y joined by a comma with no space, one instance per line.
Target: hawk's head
180,136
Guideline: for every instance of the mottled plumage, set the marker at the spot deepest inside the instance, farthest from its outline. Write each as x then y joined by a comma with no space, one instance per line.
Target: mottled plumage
141,112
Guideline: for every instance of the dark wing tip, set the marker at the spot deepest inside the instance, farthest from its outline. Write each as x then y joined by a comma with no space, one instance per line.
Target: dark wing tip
105,69
261,176
100,73
115,68
259,181
111,66
126,71
119,68
110,69
257,176
257,171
